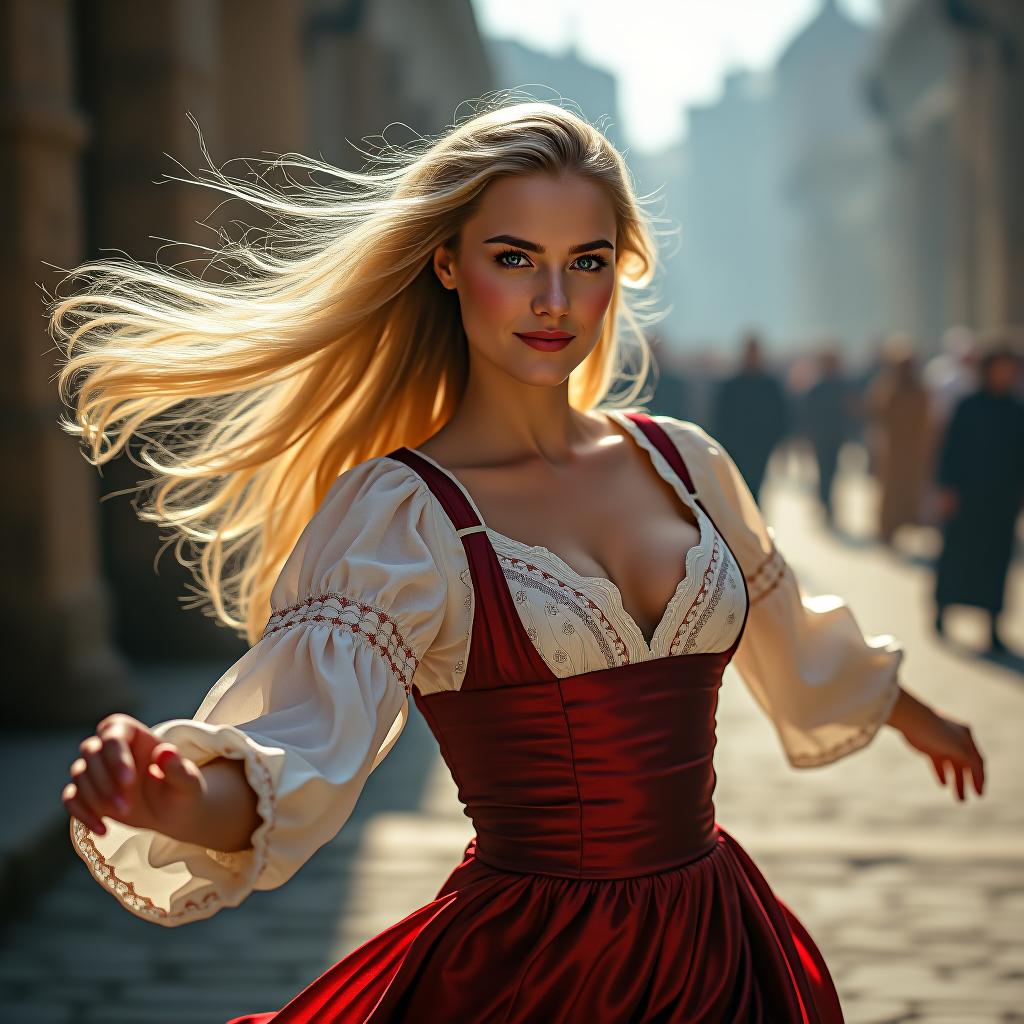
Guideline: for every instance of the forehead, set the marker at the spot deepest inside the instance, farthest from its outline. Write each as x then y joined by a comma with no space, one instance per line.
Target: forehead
560,209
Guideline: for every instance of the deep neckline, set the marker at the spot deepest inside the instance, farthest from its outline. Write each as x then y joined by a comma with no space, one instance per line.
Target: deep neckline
611,588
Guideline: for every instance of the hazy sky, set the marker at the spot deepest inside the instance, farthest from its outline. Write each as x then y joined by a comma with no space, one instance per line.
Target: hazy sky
665,53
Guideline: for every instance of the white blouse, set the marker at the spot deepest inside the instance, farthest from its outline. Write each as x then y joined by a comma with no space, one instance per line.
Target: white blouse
377,593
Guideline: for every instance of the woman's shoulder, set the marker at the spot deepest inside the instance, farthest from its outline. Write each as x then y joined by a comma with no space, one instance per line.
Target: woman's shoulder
687,431
375,523
378,481
721,487
701,452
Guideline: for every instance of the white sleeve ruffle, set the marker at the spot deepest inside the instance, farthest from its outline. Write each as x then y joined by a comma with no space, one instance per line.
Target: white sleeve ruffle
312,708
826,686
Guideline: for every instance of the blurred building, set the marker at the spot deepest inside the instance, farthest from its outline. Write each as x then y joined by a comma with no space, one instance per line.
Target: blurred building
777,197
730,269
947,85
546,75
95,101
832,178
373,62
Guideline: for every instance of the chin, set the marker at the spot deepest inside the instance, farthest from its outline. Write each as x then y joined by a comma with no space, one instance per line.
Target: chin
541,377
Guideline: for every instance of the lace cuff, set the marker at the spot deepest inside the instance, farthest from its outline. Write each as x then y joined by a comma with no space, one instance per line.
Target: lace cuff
171,882
853,741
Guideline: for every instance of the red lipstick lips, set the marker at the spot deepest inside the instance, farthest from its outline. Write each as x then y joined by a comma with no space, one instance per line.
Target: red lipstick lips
546,341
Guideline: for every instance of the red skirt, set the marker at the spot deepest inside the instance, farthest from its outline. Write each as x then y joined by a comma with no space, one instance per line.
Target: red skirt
705,943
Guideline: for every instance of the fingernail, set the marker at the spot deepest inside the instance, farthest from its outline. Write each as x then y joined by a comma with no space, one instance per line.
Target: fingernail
125,772
121,803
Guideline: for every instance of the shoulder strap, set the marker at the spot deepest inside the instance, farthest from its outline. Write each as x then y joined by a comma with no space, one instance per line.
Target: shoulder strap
500,651
452,500
659,438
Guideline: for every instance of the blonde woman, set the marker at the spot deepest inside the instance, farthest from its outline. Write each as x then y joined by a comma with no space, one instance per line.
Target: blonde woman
392,443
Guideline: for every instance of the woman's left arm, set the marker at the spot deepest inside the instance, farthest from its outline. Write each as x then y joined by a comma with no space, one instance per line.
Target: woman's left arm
826,686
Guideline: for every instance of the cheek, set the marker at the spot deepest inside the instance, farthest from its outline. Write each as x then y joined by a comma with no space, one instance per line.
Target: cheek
592,302
489,294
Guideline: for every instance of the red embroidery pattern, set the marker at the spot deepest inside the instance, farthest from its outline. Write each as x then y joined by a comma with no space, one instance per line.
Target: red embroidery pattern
768,575
716,596
606,625
125,891
701,595
854,741
379,629
142,904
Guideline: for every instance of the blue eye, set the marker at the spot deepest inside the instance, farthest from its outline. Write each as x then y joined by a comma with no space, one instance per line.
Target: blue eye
599,260
504,257
500,258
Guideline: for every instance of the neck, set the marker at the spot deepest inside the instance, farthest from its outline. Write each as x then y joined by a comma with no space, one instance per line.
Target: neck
507,422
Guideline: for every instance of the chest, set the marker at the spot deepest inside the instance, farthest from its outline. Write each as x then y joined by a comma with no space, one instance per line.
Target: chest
611,515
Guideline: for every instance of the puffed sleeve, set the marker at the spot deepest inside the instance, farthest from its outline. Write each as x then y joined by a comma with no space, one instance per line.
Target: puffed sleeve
825,685
312,708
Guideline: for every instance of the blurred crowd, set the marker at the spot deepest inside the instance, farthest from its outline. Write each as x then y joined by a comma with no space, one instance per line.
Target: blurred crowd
944,439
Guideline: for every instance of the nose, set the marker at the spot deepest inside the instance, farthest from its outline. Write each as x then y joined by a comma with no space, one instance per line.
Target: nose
552,300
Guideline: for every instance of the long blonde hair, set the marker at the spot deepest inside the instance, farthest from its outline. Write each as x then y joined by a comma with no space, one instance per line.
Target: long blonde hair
330,344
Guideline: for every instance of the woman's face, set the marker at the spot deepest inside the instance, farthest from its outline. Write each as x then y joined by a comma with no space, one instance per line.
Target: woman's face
538,255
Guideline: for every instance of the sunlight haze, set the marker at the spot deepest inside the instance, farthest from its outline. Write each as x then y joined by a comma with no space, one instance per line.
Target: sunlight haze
665,55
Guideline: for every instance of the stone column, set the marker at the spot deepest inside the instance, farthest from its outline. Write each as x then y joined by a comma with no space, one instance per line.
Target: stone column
147,67
61,667
237,67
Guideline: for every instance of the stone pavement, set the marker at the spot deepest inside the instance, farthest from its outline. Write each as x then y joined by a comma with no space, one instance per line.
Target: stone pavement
917,901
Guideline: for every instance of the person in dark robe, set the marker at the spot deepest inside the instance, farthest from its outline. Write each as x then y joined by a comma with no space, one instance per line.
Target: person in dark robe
828,414
750,415
981,490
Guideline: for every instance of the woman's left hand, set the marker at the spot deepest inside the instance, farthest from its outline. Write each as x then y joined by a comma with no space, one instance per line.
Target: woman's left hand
947,743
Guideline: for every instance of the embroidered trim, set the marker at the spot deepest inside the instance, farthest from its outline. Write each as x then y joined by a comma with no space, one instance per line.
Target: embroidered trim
716,596
365,620
768,575
702,593
259,777
583,605
860,738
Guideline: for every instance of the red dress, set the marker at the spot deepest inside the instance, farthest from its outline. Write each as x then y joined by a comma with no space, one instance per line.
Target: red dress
598,887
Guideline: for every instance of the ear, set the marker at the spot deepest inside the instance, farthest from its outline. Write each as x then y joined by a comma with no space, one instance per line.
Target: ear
444,266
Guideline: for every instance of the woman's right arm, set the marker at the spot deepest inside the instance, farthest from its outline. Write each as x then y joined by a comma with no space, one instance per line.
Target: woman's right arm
302,717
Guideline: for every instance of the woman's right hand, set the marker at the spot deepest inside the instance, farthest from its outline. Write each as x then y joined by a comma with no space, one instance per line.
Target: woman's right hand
127,773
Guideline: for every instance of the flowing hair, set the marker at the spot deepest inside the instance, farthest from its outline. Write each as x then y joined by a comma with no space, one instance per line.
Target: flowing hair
330,343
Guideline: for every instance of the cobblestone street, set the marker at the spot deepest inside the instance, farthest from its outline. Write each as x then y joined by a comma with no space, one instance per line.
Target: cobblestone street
917,901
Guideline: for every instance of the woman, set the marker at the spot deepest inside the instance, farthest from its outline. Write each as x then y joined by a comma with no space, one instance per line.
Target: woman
898,405
466,302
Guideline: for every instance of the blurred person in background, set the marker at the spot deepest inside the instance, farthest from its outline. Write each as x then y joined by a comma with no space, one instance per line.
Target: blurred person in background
896,404
750,414
861,379
828,411
981,489
951,375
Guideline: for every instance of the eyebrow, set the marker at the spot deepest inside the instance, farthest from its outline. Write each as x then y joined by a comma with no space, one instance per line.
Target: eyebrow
599,243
